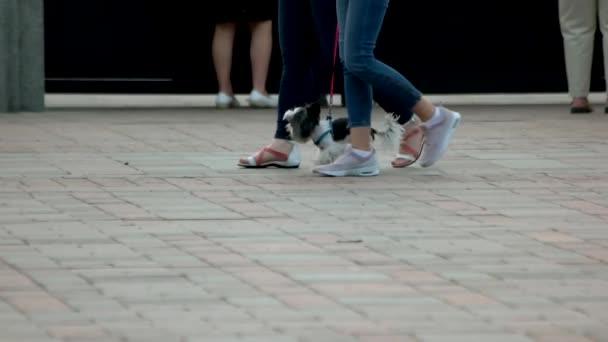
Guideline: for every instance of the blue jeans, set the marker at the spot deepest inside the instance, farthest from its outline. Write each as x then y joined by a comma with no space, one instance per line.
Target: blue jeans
360,22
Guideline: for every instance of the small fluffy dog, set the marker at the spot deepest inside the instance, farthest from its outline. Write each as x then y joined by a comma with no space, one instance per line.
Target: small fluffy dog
304,124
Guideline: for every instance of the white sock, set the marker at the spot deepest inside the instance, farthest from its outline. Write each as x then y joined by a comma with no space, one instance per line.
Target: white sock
435,119
362,153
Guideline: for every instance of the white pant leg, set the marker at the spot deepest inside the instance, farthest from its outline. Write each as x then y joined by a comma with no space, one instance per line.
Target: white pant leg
578,21
603,14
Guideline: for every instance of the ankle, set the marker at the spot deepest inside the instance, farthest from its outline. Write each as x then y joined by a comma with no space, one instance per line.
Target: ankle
424,109
362,153
361,147
434,119
261,91
282,145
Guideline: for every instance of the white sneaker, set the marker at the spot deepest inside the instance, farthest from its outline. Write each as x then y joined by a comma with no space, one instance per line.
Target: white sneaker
437,137
223,100
350,164
259,100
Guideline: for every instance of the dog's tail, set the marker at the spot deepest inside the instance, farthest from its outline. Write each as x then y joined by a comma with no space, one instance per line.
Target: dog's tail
390,135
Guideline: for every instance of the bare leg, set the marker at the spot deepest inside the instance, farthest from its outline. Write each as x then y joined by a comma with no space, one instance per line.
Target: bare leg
424,109
261,50
223,40
359,138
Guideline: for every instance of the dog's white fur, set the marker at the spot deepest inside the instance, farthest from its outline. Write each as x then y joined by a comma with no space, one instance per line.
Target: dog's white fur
329,150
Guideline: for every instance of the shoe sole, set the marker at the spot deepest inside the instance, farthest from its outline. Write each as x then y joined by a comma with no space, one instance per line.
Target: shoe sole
350,173
581,110
226,106
260,104
267,165
409,160
455,121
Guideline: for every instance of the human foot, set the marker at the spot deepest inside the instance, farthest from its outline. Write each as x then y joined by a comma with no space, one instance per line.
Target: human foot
580,105
411,144
351,164
281,154
438,133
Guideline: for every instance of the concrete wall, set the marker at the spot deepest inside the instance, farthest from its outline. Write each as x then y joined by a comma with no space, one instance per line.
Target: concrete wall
21,55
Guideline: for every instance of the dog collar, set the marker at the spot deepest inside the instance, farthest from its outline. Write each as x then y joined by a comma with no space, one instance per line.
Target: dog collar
326,133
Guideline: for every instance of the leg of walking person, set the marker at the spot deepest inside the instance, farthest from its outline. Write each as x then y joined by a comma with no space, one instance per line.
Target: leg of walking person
324,11
360,22
296,88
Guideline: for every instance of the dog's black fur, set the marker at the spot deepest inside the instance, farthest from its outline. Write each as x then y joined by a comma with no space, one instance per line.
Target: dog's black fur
340,129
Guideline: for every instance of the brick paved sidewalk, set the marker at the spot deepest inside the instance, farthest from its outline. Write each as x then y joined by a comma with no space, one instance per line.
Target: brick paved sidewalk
138,226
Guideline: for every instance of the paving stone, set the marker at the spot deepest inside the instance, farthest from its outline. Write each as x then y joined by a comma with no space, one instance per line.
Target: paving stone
474,337
12,280
77,332
37,302
468,299
387,338
561,338
23,332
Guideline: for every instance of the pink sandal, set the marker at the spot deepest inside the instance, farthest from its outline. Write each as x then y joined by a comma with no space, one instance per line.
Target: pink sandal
411,145
280,160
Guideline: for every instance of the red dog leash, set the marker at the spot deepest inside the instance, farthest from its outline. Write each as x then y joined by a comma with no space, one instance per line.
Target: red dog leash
331,92
333,75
